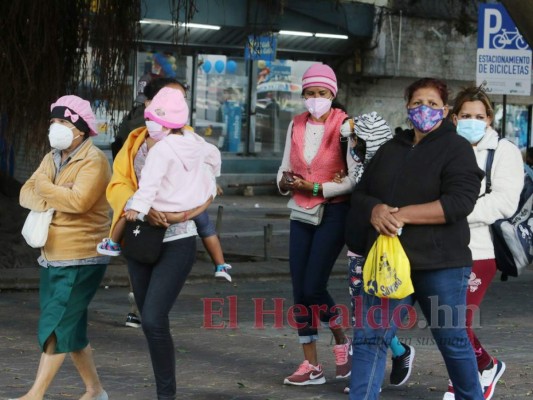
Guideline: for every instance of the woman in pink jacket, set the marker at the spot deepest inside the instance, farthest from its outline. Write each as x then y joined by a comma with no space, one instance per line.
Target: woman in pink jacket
312,158
174,177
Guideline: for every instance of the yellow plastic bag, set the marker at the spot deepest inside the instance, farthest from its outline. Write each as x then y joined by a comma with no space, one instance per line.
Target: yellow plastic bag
387,271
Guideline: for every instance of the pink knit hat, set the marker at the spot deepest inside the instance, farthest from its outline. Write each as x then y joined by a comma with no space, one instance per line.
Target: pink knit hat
320,75
77,111
168,108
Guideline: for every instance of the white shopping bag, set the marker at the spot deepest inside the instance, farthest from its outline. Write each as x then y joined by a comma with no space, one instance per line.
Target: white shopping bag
35,229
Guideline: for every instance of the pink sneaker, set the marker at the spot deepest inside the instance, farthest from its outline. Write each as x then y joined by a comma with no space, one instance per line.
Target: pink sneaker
343,359
306,374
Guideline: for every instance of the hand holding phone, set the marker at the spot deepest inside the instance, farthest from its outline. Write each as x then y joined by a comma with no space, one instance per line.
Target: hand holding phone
290,176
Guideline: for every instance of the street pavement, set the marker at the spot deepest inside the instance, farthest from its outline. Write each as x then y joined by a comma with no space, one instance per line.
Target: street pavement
225,347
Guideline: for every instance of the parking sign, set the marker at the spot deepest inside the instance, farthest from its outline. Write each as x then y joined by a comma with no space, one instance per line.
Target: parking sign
503,56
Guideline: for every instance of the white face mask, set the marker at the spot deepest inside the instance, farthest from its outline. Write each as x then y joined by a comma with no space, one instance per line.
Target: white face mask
318,106
60,136
156,131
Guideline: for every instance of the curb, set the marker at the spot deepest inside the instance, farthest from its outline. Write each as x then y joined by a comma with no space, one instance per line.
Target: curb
256,269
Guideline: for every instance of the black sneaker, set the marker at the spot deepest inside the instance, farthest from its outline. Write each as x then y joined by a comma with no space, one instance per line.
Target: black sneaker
133,320
402,366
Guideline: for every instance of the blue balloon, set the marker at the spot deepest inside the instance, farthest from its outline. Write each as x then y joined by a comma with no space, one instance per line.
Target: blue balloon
231,67
206,66
219,66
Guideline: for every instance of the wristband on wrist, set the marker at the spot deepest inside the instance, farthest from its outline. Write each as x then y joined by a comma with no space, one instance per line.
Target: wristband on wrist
316,187
185,216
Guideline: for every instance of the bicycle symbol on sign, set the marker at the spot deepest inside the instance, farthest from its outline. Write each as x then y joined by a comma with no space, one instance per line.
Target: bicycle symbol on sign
506,38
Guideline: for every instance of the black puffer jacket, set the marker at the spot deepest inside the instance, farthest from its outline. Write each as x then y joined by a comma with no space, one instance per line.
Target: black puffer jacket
442,166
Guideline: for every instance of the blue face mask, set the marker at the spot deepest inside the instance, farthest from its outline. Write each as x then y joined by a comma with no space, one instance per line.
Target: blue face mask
472,130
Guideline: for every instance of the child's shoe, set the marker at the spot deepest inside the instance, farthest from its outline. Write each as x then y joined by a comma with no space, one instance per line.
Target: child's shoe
221,271
108,247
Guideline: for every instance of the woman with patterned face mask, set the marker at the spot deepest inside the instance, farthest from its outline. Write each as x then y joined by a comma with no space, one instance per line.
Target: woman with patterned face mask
473,114
429,193
312,158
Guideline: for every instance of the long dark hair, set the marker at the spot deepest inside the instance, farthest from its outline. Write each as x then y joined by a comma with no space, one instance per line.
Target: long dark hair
336,104
155,85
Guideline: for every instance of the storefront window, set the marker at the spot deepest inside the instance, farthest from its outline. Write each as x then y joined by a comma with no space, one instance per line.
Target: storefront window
219,91
221,88
279,99
517,123
107,121
222,103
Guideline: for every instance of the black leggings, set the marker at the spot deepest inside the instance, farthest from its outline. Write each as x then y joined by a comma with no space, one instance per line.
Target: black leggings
156,288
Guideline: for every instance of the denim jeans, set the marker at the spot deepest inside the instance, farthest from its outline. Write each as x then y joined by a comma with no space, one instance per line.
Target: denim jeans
313,251
442,298
204,226
156,288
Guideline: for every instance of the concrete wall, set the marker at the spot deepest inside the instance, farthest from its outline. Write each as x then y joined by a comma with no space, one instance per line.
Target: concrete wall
421,48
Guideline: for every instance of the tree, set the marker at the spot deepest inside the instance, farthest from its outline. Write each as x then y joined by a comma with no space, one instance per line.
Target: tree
57,47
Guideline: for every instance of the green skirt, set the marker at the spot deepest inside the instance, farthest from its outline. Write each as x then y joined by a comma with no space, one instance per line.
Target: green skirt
65,294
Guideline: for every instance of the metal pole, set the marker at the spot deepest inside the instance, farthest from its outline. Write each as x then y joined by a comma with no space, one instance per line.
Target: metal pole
399,45
250,131
504,115
192,89
218,224
268,240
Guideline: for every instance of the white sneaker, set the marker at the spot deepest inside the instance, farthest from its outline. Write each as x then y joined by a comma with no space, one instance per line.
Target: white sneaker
450,394
490,377
221,271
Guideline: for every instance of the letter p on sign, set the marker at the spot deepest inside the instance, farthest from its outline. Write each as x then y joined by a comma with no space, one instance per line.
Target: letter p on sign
493,24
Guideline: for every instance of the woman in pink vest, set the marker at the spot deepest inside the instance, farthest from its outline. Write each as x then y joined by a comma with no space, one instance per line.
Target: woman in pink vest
312,158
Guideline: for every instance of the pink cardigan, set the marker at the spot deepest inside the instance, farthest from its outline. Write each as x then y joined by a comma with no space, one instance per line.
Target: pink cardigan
328,161
174,177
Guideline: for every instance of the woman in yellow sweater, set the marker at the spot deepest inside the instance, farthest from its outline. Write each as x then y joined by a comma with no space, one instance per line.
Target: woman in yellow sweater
72,180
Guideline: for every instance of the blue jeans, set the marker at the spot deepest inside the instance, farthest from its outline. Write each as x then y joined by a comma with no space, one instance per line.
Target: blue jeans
313,251
204,226
156,288
442,298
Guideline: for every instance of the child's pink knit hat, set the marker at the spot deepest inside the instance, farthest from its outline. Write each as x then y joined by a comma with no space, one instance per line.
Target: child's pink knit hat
320,75
168,108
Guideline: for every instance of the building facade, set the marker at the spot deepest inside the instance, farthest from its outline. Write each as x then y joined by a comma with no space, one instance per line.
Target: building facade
242,99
